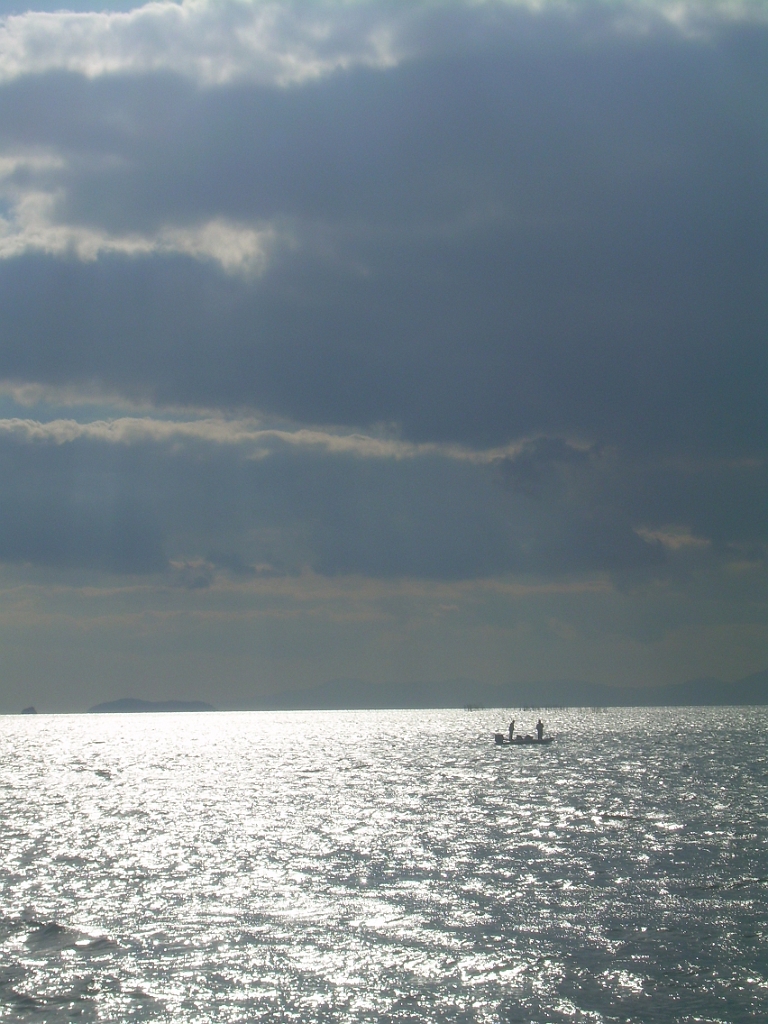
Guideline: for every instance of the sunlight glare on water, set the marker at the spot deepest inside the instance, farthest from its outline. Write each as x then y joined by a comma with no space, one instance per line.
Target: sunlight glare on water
385,866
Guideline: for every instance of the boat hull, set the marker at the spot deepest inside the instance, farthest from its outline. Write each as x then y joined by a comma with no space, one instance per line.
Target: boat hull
523,741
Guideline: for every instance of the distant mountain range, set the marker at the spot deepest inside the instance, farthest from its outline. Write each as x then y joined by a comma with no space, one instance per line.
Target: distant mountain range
354,694
130,705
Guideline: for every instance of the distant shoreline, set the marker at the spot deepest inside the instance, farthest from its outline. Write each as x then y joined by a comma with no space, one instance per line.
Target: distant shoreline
199,707
355,694
466,694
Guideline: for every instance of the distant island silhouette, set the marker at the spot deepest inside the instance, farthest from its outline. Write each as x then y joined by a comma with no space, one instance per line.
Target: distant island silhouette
130,705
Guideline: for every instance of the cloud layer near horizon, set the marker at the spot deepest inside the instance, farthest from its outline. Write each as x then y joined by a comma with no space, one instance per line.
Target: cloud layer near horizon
388,290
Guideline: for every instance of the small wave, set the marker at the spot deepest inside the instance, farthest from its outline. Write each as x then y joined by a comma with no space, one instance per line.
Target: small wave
21,1001
737,883
51,936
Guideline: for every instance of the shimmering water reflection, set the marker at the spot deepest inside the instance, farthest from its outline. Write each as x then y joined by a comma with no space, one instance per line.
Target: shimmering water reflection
384,866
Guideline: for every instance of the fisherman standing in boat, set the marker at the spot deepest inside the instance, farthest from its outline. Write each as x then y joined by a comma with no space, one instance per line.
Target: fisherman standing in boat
540,730
511,730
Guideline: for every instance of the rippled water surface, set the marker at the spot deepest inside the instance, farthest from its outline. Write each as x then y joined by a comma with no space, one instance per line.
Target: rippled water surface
384,866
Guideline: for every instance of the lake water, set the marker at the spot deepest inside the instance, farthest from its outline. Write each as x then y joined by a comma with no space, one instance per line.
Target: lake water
385,866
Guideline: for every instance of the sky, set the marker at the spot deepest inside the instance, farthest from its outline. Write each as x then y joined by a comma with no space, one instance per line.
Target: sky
385,341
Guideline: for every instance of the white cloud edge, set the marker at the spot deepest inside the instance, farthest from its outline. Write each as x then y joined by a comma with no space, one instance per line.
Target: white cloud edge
214,42
210,41
31,394
31,226
260,437
258,441
279,42
672,537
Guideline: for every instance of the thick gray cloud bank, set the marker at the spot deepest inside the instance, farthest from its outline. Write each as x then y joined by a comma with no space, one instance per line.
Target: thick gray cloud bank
443,294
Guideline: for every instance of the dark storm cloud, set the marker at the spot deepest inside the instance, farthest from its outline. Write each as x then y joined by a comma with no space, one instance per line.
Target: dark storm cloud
148,508
527,225
605,503
723,500
193,510
61,510
523,233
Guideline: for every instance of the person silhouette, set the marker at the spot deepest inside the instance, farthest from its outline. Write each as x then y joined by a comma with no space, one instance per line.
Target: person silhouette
511,730
540,730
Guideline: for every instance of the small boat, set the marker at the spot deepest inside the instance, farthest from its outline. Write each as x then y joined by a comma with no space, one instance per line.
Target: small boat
520,741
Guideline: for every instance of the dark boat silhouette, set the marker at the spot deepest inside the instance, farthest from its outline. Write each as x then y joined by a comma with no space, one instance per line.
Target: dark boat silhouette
520,741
